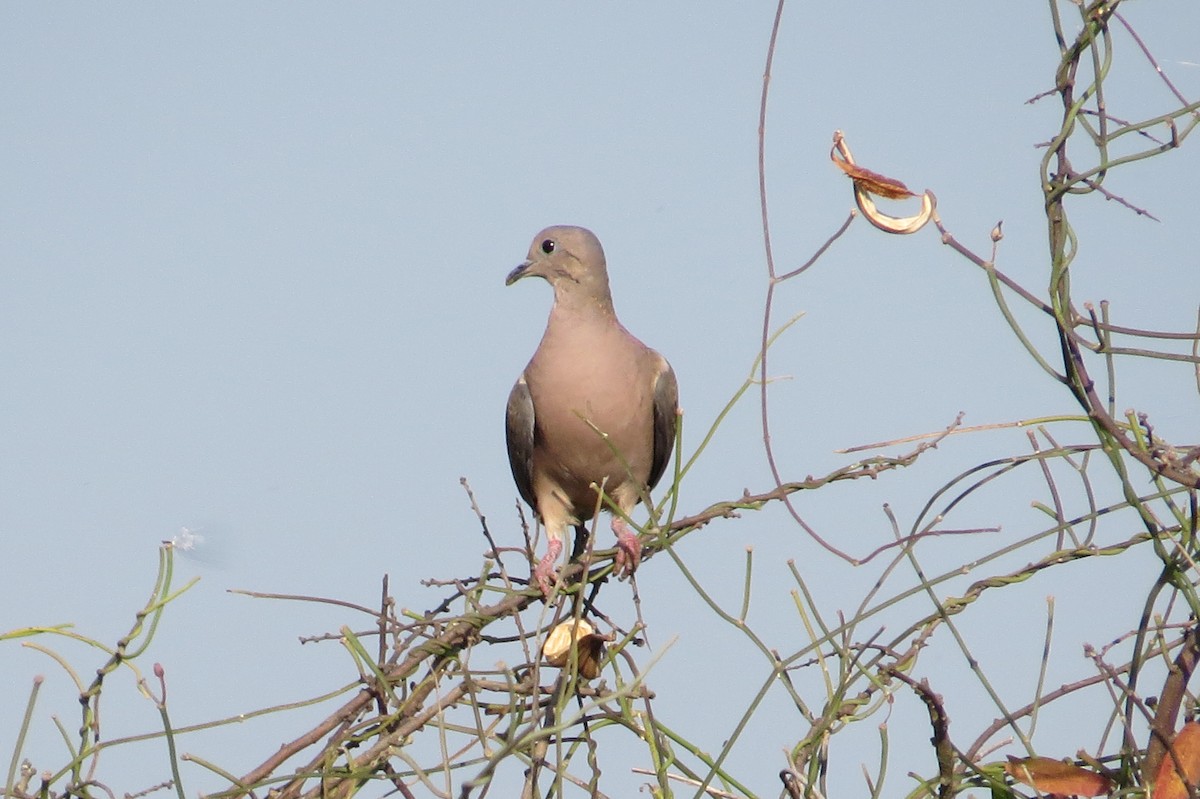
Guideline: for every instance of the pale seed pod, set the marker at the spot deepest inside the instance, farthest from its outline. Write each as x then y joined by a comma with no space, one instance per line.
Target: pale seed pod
557,648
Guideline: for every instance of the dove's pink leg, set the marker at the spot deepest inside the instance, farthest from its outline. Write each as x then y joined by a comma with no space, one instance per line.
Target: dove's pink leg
629,548
547,568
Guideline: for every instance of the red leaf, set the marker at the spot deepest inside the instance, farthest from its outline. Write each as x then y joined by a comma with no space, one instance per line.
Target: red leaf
1057,778
1168,784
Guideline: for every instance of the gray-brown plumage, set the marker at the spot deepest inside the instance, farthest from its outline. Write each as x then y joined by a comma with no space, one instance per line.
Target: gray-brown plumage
594,405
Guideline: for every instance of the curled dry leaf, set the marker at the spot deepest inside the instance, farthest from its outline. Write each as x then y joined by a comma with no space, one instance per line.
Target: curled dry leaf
1169,783
557,648
901,225
867,183
1056,778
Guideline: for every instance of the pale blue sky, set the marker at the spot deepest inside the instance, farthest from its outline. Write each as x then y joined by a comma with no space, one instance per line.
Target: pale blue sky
251,283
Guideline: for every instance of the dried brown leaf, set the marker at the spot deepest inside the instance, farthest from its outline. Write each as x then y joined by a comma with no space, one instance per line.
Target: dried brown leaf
873,182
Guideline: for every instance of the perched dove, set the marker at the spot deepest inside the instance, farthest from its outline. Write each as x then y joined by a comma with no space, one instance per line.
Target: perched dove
595,406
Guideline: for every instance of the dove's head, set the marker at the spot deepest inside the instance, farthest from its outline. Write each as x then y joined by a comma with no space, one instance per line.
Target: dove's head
571,260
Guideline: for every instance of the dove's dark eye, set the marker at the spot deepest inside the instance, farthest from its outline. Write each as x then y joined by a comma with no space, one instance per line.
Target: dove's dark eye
548,246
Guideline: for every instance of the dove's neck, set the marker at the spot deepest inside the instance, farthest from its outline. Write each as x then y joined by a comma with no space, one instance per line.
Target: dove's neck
579,301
